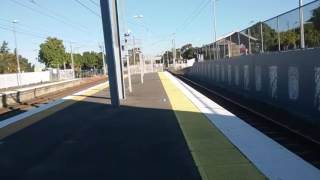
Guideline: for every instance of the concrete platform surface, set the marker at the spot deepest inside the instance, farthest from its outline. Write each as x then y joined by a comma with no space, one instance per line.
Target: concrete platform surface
157,133
91,140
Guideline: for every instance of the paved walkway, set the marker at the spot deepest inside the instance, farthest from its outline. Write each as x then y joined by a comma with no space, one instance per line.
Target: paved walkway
156,134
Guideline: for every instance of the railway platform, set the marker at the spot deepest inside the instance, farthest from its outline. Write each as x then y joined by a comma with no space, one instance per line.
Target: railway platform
164,129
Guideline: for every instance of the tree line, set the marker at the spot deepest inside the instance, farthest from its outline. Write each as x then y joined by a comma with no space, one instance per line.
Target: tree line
53,54
8,61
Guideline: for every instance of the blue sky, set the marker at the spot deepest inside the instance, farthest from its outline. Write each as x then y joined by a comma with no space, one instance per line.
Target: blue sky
161,18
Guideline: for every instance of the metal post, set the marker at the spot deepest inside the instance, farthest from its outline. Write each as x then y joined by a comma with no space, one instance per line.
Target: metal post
230,47
162,62
209,49
278,31
17,54
168,60
134,51
126,35
104,62
72,61
224,48
141,68
215,27
239,43
217,44
302,40
129,73
261,35
174,55
249,40
111,37
152,68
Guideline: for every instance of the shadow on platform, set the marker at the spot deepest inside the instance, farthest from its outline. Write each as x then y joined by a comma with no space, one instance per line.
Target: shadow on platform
92,140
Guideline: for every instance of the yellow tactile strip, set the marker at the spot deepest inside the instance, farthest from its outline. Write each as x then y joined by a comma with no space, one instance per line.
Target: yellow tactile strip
214,155
19,125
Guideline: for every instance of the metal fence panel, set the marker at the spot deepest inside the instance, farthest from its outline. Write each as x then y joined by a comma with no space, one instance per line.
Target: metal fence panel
311,14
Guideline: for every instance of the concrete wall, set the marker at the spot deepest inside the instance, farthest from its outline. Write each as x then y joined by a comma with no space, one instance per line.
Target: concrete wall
24,94
12,80
290,80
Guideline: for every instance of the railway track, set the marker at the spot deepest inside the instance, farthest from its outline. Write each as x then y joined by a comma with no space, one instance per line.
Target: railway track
303,145
36,102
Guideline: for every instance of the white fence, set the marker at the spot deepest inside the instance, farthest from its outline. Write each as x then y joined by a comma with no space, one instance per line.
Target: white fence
148,68
14,80
58,75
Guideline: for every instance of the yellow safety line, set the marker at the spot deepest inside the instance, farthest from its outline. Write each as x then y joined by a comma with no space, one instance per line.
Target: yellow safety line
210,149
15,127
180,104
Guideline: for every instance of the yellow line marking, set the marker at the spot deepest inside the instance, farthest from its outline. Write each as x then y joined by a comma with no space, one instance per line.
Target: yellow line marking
214,156
72,99
180,103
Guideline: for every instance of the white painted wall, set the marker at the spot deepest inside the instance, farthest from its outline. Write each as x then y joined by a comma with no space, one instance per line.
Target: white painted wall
12,80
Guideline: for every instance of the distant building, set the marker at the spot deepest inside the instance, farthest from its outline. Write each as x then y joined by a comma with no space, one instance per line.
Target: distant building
230,45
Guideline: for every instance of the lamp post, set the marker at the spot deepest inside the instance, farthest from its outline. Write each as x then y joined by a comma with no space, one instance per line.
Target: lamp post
103,60
141,62
174,54
215,29
14,22
127,35
302,41
72,61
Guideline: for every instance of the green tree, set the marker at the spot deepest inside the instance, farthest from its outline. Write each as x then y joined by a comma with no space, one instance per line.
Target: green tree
167,57
4,48
78,61
8,63
289,39
312,35
52,53
316,18
188,54
90,60
312,30
270,38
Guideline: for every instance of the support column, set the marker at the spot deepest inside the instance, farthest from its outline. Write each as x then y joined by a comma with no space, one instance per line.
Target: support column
112,46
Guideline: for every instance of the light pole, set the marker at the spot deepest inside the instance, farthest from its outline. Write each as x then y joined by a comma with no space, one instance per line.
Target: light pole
215,28
174,55
302,42
141,62
103,60
14,22
127,35
72,61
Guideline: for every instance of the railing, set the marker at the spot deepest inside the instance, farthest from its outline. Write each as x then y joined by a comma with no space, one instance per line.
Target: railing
148,68
89,73
281,33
